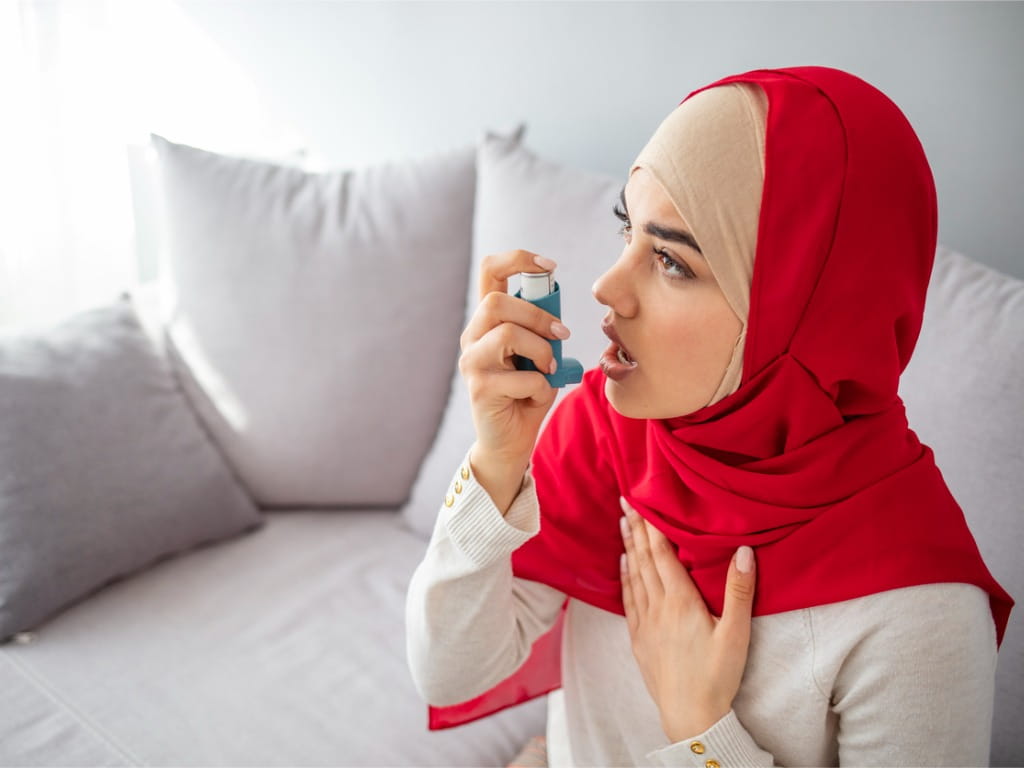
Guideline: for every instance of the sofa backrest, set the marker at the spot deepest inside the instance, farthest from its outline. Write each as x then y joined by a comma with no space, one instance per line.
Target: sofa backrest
964,393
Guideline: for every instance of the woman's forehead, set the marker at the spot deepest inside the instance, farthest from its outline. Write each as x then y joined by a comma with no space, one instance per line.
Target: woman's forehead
645,190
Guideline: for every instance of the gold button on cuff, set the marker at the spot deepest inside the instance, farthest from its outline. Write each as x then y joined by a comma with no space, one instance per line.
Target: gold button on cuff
464,472
711,764
449,500
696,747
458,487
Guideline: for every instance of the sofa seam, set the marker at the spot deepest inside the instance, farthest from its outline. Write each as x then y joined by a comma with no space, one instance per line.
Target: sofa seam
44,687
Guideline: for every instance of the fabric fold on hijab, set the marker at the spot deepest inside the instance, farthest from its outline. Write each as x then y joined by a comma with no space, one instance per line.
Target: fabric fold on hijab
810,459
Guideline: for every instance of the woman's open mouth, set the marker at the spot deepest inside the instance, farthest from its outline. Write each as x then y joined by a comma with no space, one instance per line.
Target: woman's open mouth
616,362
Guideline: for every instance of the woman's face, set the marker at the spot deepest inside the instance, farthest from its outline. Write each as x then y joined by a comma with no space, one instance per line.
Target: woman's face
675,326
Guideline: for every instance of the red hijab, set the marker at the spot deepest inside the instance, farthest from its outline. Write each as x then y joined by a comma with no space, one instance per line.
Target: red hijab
810,461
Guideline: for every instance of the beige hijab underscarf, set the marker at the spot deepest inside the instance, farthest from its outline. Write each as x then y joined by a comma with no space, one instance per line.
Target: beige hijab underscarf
708,155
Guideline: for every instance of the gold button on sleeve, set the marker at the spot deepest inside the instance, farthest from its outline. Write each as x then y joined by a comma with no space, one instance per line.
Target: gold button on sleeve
458,487
711,764
464,472
449,500
697,748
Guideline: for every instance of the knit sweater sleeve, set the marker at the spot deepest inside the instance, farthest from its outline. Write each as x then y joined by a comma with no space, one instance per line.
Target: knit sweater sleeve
726,743
470,623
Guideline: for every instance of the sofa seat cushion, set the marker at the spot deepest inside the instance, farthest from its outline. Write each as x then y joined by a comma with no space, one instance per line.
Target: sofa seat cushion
285,646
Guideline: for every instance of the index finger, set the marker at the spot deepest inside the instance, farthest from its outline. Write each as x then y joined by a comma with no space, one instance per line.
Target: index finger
673,573
497,268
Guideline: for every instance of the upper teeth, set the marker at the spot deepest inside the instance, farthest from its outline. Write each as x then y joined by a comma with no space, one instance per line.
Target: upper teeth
622,357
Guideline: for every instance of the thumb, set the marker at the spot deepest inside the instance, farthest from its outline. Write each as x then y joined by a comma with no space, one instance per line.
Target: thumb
739,592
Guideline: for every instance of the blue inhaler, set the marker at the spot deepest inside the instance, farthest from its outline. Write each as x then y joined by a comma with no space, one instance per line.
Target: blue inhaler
540,289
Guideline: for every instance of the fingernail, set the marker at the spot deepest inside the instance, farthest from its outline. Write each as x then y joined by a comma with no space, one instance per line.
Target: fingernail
625,506
559,330
744,559
544,263
553,367
624,527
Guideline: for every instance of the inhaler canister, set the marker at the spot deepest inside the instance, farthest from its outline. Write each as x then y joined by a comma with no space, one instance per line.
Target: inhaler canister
540,289
535,285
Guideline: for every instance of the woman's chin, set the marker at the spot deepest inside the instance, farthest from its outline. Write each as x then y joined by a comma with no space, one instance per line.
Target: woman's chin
633,405
625,403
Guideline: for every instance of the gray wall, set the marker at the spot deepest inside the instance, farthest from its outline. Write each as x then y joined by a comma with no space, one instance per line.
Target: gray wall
361,82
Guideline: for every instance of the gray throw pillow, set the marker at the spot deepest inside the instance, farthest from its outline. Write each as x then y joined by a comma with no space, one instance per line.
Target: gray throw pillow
104,468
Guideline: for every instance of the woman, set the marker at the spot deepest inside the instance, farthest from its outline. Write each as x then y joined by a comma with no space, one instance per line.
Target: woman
726,547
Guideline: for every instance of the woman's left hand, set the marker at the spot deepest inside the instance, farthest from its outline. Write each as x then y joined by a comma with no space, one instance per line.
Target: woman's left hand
692,662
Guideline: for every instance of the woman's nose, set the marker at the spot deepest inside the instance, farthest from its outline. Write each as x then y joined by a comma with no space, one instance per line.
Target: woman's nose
613,290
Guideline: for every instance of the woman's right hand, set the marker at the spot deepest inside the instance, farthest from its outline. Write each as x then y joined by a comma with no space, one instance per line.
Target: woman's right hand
508,405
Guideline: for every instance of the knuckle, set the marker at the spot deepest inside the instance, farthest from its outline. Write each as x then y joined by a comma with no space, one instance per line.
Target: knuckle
489,303
741,590
506,334
476,385
486,315
487,263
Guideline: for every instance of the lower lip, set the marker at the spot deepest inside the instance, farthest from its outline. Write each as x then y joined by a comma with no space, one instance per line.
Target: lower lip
613,368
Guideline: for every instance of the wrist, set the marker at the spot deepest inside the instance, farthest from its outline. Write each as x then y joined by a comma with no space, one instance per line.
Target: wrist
500,475
495,457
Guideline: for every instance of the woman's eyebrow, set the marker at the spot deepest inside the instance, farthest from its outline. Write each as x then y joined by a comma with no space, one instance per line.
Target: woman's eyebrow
663,233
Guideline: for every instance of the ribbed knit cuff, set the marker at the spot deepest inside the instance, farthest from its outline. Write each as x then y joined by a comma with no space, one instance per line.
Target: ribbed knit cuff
477,527
726,743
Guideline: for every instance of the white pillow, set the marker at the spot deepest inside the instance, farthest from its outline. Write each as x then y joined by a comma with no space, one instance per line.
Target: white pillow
314,318
524,201
143,174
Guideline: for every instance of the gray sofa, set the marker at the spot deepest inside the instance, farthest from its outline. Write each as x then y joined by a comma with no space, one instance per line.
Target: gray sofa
309,325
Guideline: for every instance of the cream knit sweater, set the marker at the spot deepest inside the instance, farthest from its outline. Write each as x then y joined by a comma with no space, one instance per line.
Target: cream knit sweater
903,677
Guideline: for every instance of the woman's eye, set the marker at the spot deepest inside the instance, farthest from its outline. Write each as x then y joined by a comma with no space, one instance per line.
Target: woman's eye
672,267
